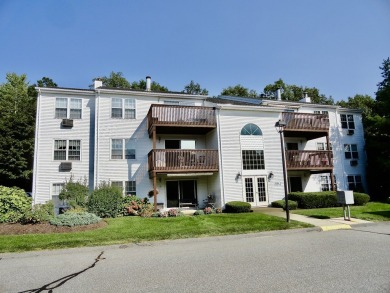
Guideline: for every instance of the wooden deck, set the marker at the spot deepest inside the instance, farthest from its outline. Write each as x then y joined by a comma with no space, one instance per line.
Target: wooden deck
305,125
309,160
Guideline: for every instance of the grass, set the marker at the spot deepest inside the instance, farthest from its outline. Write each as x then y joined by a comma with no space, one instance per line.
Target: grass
372,211
136,229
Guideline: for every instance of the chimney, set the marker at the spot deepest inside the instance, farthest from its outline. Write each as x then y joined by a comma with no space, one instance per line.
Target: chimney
306,98
279,94
148,83
97,83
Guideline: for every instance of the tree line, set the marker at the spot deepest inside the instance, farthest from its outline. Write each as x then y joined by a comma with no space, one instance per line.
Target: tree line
18,111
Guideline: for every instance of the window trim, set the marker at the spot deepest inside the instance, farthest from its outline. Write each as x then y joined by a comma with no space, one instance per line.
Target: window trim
67,150
351,154
124,184
347,123
126,104
124,149
69,108
356,187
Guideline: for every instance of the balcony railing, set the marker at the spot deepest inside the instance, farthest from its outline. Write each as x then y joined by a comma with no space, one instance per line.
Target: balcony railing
305,121
185,161
181,116
309,160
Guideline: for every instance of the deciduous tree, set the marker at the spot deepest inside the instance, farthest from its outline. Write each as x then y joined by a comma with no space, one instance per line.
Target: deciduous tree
195,89
239,91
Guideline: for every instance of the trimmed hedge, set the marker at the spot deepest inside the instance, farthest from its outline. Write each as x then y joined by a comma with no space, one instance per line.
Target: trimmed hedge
292,205
237,207
325,199
75,219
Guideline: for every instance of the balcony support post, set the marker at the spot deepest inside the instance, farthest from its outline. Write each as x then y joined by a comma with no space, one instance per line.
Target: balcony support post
155,191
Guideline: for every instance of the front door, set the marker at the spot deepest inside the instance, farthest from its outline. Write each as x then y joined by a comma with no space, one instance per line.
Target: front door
255,190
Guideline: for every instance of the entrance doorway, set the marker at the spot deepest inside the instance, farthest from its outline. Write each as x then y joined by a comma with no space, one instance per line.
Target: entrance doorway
181,191
295,184
255,190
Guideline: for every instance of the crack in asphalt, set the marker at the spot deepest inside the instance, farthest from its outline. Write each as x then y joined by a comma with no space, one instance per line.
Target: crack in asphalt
59,282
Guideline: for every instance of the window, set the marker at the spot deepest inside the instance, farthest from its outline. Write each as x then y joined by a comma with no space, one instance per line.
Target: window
253,159
347,121
251,129
325,183
56,189
355,182
130,187
67,150
320,112
122,148
323,146
119,105
75,108
118,184
350,151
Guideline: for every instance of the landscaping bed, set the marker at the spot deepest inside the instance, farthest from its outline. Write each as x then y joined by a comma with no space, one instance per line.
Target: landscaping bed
44,228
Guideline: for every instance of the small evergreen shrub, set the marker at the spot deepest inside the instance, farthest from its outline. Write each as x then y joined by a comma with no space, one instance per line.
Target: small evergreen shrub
106,201
75,193
360,199
237,207
13,204
325,199
292,205
75,219
198,213
39,213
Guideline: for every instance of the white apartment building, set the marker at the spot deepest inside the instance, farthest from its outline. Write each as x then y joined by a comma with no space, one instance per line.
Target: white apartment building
186,147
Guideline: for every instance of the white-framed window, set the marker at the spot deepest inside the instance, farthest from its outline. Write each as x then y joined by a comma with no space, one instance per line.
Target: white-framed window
253,160
323,146
355,182
122,148
123,108
347,121
129,186
325,183
251,129
68,108
56,189
350,151
67,150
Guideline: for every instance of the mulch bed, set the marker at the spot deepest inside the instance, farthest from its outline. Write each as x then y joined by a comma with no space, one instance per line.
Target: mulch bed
44,228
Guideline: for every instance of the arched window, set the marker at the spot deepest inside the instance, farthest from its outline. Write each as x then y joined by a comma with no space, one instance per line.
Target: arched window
251,129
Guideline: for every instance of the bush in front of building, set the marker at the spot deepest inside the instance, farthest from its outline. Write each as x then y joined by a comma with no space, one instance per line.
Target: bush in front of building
324,199
71,219
237,207
13,204
106,201
292,205
75,193
360,199
39,213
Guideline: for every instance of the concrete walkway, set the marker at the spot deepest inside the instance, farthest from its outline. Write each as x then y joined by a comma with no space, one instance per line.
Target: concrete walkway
323,224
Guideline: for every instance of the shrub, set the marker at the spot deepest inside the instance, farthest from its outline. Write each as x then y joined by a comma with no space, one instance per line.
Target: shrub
160,215
75,193
38,213
75,219
292,205
13,204
312,200
135,206
360,199
208,210
106,201
174,213
218,210
388,200
198,213
325,199
237,207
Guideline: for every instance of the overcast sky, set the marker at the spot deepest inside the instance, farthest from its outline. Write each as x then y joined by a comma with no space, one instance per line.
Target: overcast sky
334,45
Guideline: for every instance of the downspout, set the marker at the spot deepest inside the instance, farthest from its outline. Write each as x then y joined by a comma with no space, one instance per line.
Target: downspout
35,166
221,179
340,147
96,164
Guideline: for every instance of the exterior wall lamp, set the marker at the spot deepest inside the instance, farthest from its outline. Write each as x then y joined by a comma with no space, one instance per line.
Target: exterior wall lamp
280,126
270,175
238,176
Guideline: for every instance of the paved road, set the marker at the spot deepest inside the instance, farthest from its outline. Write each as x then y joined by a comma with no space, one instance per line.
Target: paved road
355,260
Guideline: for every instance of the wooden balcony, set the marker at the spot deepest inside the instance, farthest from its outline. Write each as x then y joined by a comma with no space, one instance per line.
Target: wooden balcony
172,119
183,161
305,125
309,160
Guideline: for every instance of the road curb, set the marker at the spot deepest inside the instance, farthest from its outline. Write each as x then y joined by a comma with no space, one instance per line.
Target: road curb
335,227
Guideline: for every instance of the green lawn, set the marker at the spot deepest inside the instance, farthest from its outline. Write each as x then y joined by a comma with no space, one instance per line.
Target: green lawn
136,229
372,211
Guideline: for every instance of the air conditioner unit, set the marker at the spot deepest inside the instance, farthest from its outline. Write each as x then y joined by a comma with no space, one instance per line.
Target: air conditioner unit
351,131
65,166
353,162
67,122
